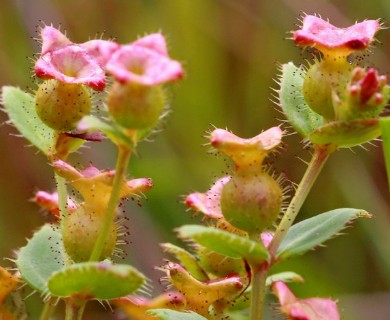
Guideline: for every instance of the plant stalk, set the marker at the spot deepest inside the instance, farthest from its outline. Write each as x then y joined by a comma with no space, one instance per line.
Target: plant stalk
48,310
124,154
74,310
62,195
259,277
320,155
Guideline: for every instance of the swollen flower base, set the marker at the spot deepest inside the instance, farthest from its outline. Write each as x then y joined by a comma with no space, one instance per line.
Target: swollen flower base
249,225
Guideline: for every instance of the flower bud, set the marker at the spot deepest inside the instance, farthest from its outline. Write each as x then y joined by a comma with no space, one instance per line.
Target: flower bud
366,95
62,105
218,264
252,199
324,79
80,230
135,106
251,202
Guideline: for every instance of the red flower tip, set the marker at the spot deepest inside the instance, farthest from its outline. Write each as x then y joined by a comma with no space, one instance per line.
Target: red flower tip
322,35
369,85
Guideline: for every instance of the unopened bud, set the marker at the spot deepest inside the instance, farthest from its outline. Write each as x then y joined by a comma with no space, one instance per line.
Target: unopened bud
251,202
62,105
136,106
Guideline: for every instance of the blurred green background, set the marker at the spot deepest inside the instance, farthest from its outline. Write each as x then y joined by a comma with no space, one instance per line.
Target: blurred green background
230,50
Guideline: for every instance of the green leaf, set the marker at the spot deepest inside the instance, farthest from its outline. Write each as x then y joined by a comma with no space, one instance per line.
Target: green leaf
113,132
309,233
385,126
20,107
96,280
225,243
287,276
167,314
303,119
345,134
41,257
187,260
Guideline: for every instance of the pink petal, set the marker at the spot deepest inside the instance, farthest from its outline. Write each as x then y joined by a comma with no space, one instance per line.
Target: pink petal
369,85
283,293
208,203
72,65
53,39
304,309
266,238
100,50
154,42
317,32
137,64
139,185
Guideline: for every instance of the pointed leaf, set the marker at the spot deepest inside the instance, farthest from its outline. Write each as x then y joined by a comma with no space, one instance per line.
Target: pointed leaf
225,243
20,107
167,314
303,119
309,233
345,134
96,280
385,126
287,276
187,260
41,257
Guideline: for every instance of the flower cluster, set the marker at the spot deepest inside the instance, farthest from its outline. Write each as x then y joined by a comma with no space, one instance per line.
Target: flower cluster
332,80
144,61
62,101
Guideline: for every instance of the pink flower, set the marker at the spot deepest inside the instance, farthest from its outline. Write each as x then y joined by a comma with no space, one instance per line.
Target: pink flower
304,309
208,203
144,62
324,36
95,185
72,65
246,152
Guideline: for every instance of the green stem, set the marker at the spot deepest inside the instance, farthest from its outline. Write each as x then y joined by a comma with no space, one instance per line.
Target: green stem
74,309
320,155
48,310
120,172
62,195
259,277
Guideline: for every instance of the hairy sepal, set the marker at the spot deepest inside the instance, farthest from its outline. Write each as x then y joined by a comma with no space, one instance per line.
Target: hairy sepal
303,119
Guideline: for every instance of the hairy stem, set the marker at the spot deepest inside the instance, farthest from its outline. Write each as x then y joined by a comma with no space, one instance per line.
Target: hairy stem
120,171
62,195
320,155
259,275
74,310
48,310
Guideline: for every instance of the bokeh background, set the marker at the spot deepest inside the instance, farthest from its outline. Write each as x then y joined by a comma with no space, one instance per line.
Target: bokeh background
230,50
